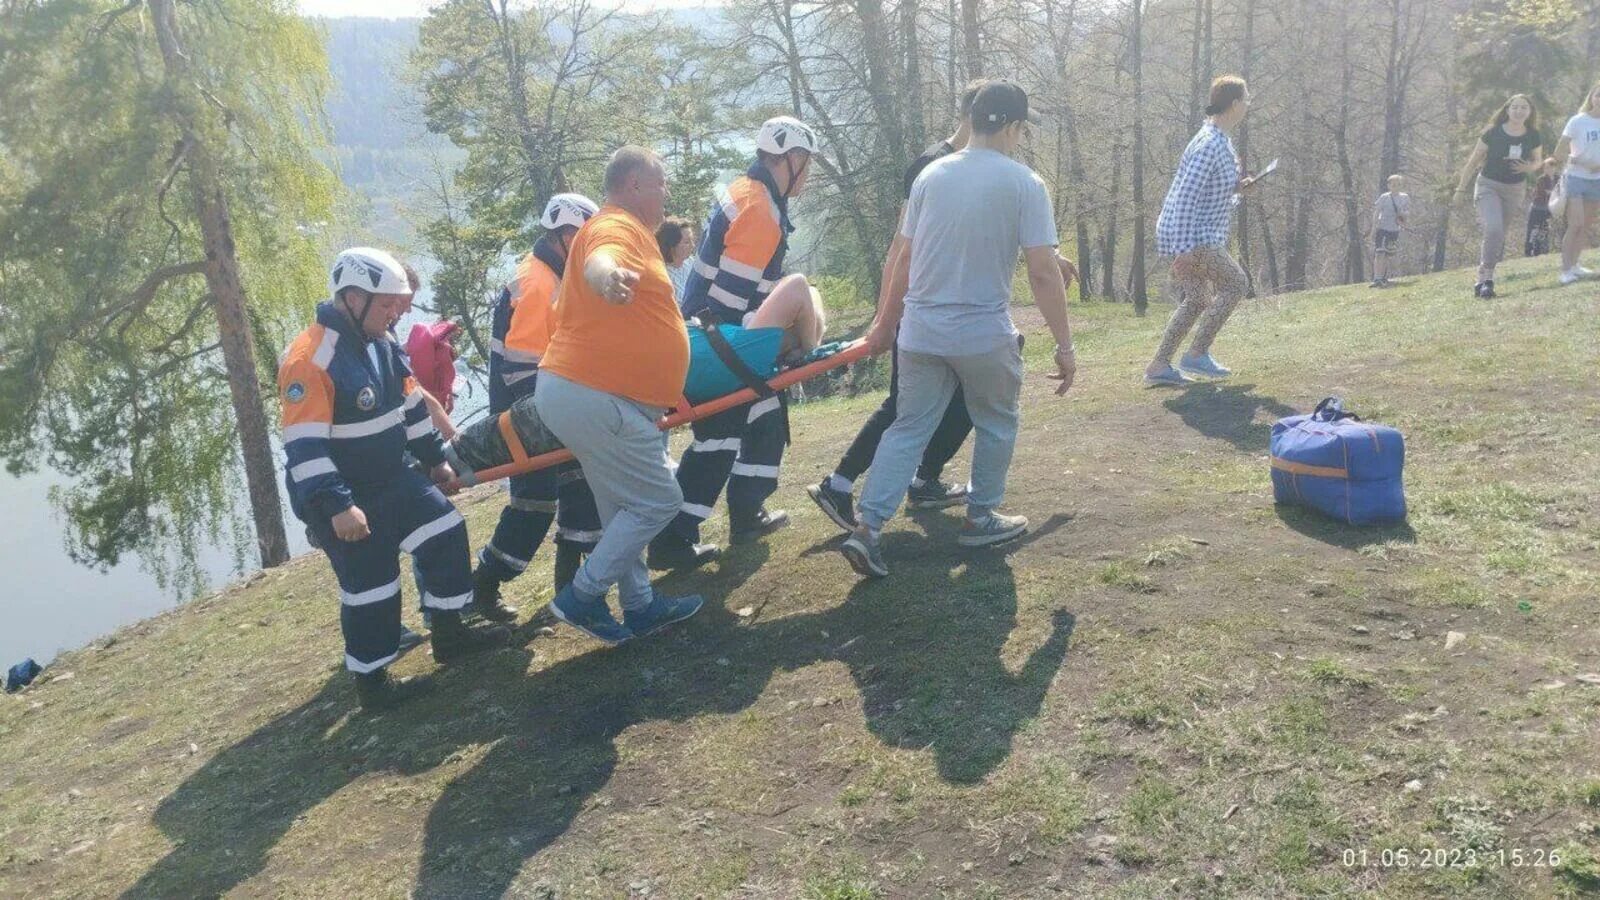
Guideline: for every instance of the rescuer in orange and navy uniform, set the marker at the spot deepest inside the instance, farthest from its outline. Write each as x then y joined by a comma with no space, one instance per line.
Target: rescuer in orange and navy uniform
351,411
737,266
523,319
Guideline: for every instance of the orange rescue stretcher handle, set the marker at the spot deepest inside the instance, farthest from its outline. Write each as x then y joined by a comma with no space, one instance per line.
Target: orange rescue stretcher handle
850,354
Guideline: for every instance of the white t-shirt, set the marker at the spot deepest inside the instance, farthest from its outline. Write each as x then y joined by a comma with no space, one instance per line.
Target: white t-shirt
969,215
1583,130
1390,209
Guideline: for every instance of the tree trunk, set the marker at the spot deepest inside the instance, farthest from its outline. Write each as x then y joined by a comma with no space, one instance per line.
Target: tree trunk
528,135
973,48
1272,254
1080,216
1441,237
1067,135
1298,236
836,164
1108,245
1295,274
222,277
1247,54
1355,249
953,52
876,46
1136,288
1195,103
1200,63
1393,101
916,124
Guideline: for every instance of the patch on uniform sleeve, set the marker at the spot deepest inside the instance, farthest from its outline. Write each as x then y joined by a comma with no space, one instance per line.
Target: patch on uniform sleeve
295,392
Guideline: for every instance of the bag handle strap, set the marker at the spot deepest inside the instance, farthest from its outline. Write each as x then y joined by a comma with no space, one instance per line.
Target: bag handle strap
1331,409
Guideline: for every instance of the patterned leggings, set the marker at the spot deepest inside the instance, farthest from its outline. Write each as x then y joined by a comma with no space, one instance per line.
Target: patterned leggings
1210,270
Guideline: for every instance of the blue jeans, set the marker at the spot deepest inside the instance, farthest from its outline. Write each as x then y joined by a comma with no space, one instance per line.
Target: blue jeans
992,385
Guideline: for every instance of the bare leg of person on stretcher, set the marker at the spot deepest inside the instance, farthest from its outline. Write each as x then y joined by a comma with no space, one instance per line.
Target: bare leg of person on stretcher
743,447
796,307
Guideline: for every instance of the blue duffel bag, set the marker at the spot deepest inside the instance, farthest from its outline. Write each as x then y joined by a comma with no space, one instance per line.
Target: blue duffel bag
1339,465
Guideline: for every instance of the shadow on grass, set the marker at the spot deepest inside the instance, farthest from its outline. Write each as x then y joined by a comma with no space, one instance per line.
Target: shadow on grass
1331,531
923,648
942,527
1229,412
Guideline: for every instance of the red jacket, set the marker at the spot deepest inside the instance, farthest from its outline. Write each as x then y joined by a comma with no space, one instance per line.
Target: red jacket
433,359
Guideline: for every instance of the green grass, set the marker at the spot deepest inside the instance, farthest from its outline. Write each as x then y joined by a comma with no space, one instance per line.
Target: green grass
1172,688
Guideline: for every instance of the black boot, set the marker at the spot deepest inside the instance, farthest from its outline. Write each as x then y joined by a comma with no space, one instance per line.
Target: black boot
379,692
670,551
454,641
569,557
748,530
486,600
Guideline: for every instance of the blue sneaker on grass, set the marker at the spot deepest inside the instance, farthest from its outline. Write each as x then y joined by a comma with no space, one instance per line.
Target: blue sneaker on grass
590,616
661,612
1168,377
1203,366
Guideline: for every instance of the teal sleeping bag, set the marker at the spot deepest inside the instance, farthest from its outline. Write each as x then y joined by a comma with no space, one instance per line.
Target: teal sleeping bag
710,378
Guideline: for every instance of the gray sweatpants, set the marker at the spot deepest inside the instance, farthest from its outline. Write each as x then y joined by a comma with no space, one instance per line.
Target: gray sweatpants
991,383
1497,204
624,459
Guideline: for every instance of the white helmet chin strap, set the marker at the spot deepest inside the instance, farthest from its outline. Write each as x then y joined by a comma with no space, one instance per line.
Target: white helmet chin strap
788,165
361,320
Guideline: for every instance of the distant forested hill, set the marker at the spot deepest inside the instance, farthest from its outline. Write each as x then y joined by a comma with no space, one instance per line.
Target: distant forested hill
383,151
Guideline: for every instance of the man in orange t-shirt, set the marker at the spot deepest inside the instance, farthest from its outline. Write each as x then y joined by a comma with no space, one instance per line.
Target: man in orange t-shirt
617,360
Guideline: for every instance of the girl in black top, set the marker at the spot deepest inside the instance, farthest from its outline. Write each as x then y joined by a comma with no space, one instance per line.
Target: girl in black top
1509,148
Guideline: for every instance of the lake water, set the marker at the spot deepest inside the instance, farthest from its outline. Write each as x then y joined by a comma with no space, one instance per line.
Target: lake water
61,605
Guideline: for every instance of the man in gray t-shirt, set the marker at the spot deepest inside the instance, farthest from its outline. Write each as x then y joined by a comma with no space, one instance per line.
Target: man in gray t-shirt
969,216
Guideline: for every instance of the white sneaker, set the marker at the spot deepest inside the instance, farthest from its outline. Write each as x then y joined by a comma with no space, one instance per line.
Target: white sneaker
1570,276
1581,272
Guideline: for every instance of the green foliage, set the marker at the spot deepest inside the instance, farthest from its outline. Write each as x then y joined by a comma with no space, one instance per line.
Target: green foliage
1519,47
108,365
536,101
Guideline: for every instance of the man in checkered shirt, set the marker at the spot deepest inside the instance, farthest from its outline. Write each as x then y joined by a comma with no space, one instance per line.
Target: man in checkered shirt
1193,229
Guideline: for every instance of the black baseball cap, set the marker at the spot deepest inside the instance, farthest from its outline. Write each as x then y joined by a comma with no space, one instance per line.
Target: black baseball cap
1000,103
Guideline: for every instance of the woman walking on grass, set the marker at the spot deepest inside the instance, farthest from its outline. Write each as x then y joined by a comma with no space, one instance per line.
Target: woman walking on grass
1509,148
1193,229
1579,148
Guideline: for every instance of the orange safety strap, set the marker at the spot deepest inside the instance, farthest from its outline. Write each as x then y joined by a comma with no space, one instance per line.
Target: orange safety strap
1295,468
519,453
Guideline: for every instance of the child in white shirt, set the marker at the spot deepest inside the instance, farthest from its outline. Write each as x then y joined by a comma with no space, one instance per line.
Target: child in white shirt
1388,217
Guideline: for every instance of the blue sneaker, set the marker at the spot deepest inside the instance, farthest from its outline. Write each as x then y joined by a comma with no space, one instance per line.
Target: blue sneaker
592,617
661,612
1167,377
1203,366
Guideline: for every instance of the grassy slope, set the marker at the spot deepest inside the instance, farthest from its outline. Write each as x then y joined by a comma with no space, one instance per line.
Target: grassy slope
1171,686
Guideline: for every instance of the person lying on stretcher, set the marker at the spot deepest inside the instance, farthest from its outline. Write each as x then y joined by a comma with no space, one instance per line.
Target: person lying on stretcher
786,329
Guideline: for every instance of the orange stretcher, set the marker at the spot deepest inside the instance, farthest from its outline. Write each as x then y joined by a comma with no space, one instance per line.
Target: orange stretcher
682,415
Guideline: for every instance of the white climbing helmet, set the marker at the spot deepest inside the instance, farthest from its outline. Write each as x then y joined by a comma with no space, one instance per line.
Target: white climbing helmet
784,133
369,269
567,209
